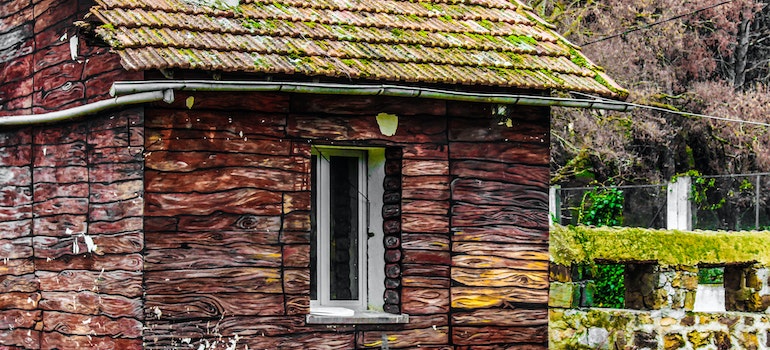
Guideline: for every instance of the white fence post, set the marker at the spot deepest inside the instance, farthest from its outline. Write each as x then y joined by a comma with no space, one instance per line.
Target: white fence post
678,209
554,206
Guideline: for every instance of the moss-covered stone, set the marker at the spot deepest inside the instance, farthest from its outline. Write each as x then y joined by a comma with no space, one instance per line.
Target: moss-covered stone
673,341
582,244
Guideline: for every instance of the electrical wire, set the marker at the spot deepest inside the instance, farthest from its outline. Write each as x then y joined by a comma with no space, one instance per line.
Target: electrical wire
647,26
686,114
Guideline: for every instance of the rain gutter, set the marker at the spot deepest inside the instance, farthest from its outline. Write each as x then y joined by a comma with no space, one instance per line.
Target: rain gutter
136,92
87,109
127,87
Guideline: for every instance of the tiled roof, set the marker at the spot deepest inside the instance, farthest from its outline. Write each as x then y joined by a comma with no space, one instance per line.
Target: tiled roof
475,42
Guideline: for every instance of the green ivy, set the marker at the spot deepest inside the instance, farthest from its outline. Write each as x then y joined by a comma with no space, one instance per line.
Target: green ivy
604,207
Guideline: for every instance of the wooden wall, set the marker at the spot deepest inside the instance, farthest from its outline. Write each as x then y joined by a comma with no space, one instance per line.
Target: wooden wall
62,183
227,222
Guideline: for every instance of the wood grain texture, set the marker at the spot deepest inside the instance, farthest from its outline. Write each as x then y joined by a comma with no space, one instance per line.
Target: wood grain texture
90,303
468,215
501,233
107,262
499,193
196,305
77,324
20,338
478,298
425,241
499,335
424,223
421,301
522,252
406,338
56,340
484,261
125,283
488,277
502,152
501,317
218,280
217,180
192,255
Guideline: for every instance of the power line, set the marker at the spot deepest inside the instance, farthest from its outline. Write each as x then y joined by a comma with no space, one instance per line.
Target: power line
647,26
686,114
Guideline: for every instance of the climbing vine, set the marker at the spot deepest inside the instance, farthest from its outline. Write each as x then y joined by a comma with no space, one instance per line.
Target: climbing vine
604,207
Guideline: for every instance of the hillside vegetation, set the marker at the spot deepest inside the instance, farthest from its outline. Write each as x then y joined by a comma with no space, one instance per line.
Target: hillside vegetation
707,56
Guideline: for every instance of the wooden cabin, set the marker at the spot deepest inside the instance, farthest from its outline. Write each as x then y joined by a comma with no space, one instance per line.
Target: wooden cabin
314,174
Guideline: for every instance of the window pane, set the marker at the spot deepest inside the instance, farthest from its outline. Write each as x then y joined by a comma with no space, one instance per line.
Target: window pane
313,230
344,227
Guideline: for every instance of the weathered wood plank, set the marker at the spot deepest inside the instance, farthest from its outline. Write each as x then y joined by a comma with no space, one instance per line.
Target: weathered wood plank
296,255
421,301
296,281
123,283
421,223
425,187
406,338
411,167
297,304
297,221
90,303
236,201
19,248
115,172
17,267
102,155
428,207
418,269
425,321
296,201
23,283
19,300
165,240
244,326
426,257
57,225
55,155
499,193
12,196
366,105
57,206
230,222
488,130
115,211
57,247
213,141
220,280
77,324
15,229
15,213
508,152
525,175
425,282
20,338
501,317
214,180
193,255
115,192
61,175
522,252
114,137
192,161
106,262
500,277
11,319
51,190
265,102
18,155
483,215
479,298
215,306
425,241
486,261
56,340
501,234
499,335
433,151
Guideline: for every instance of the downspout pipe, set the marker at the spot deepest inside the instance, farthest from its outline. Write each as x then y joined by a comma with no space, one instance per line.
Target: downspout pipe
166,95
129,87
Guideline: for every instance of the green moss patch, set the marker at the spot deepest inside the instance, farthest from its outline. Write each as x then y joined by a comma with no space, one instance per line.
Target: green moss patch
584,244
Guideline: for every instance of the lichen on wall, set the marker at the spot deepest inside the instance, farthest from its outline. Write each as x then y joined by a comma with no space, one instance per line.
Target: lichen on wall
583,244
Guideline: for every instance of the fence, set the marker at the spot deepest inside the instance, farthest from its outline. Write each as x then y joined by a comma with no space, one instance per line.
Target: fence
722,202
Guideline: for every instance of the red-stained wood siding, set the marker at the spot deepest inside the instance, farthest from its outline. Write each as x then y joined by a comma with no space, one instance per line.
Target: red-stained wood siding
227,221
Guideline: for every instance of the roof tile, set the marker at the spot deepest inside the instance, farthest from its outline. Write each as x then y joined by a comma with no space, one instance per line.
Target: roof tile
476,42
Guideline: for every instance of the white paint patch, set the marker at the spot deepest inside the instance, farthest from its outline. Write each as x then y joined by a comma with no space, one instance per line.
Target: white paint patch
74,47
388,123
